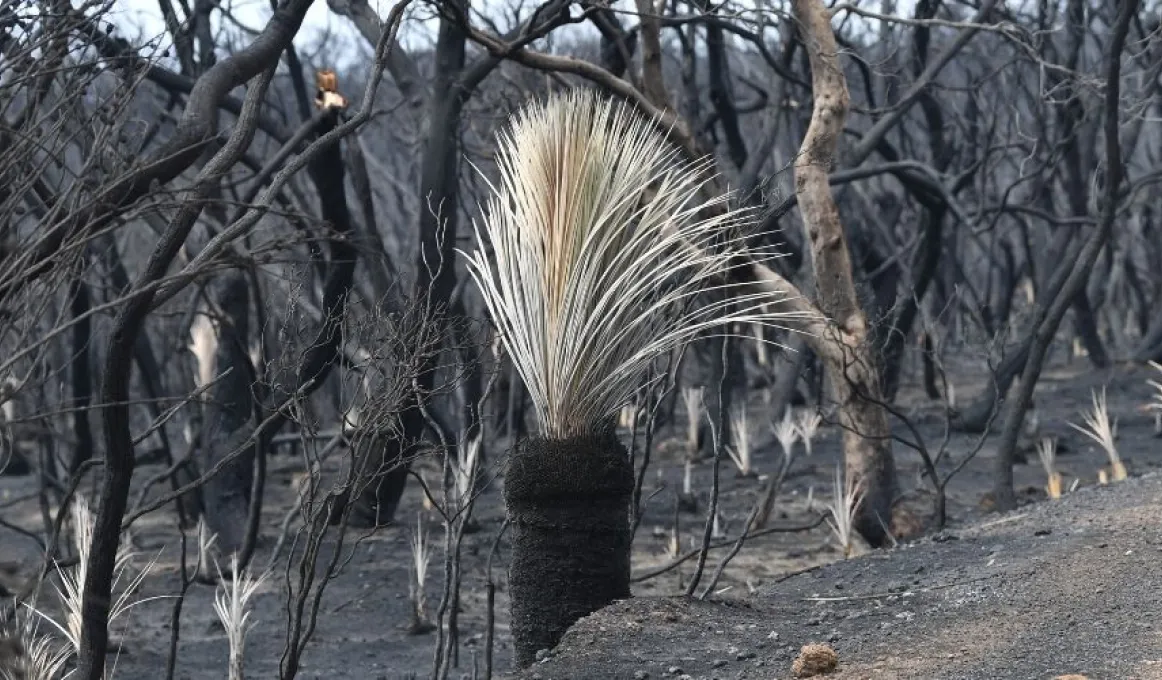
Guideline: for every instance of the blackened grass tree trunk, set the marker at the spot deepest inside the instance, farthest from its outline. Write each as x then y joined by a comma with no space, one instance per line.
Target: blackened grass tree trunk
567,501
229,416
602,257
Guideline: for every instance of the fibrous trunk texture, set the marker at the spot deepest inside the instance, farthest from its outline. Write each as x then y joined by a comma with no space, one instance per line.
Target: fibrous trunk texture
568,504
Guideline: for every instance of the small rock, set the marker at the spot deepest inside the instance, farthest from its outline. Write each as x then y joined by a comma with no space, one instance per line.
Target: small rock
640,675
834,637
673,670
743,656
718,663
544,654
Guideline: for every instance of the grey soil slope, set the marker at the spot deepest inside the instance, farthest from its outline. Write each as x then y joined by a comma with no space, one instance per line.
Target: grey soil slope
1071,586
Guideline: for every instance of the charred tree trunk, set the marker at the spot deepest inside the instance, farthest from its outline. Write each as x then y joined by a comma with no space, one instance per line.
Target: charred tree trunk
568,503
1048,316
435,274
82,374
229,420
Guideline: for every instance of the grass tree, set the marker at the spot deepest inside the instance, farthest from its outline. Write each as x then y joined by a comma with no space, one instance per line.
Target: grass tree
233,605
807,424
1155,405
841,514
787,432
740,450
593,258
1103,432
1047,452
421,558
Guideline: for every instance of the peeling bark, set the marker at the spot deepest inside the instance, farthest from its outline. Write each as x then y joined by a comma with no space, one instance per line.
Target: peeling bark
844,347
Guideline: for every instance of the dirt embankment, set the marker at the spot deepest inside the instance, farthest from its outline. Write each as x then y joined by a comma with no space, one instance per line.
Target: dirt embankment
1065,587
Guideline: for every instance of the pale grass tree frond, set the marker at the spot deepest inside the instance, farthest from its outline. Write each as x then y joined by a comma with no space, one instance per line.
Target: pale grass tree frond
206,543
599,252
846,499
464,469
692,401
786,433
418,570
232,604
72,581
807,423
421,554
740,451
1156,402
1047,452
41,655
1097,426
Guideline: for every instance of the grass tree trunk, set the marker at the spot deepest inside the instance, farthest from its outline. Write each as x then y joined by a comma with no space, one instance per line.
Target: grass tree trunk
568,504
845,345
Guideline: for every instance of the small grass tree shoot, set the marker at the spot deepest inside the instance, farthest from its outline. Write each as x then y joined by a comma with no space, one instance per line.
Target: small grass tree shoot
807,423
1047,452
842,511
740,451
692,401
232,604
1155,404
593,256
1099,428
421,558
787,433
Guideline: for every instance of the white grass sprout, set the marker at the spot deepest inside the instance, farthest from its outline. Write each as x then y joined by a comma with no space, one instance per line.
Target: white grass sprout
71,590
1098,428
42,656
807,424
595,252
464,471
692,401
1155,404
717,531
421,558
740,452
846,500
232,604
1047,452
787,433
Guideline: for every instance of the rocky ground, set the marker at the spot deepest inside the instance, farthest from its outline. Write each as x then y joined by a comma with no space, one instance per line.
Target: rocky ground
1057,588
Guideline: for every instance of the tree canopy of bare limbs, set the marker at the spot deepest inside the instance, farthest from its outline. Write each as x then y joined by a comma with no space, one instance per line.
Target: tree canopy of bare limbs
222,241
